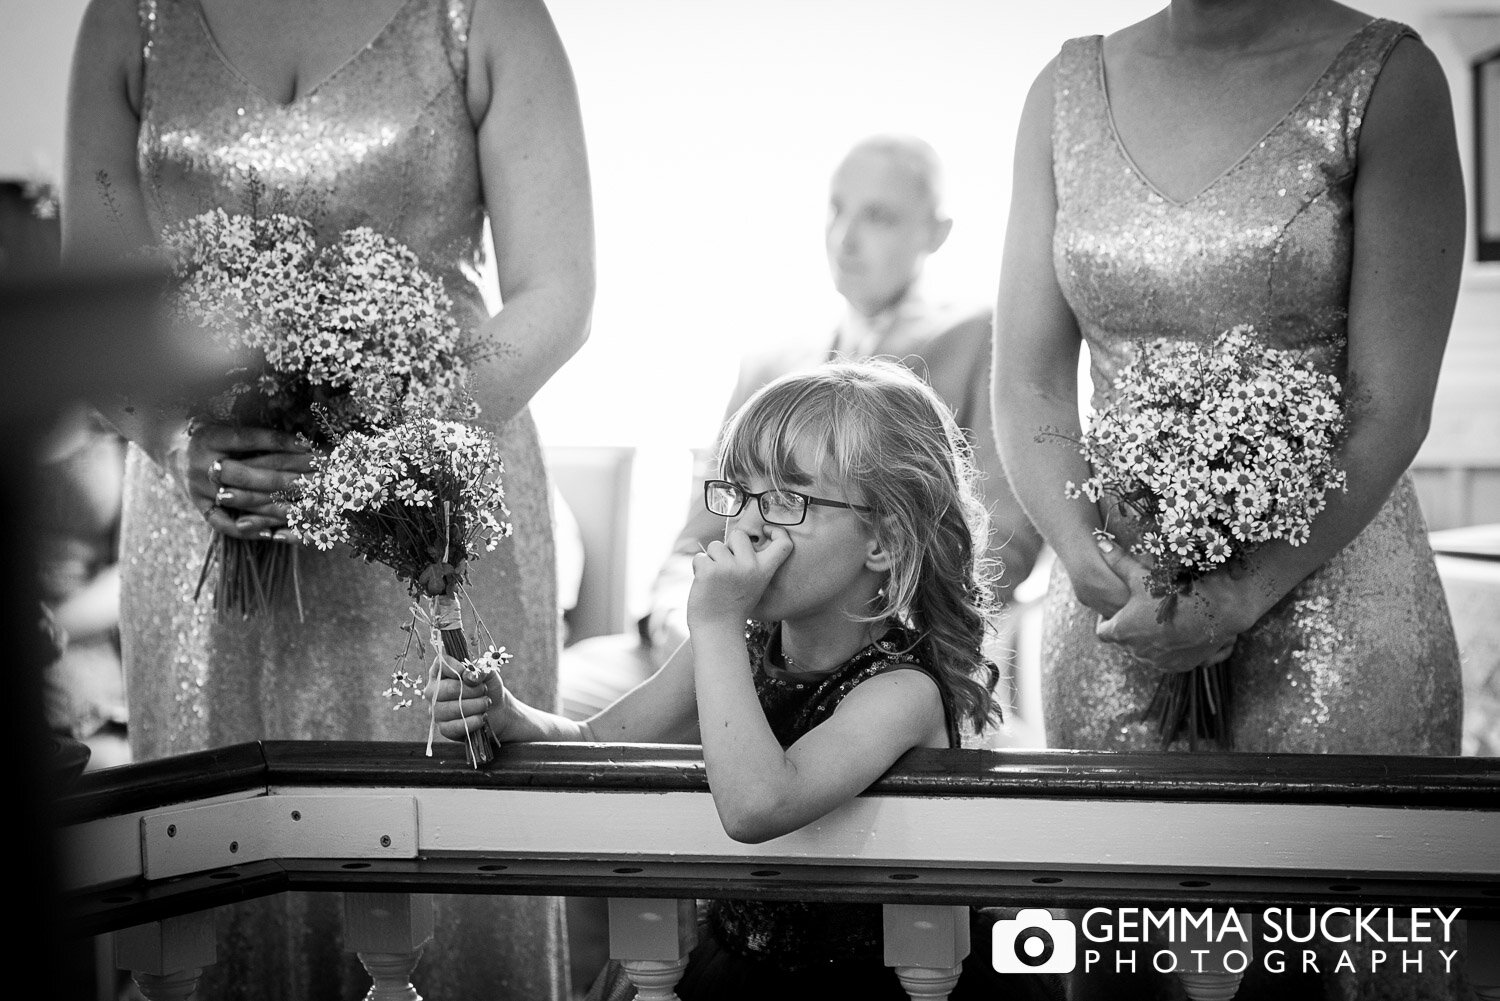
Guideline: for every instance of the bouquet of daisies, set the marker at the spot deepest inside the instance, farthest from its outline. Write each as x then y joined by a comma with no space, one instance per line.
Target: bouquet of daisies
1214,451
425,498
332,339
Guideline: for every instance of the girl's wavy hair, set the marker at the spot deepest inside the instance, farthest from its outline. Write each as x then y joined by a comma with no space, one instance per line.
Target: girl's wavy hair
894,446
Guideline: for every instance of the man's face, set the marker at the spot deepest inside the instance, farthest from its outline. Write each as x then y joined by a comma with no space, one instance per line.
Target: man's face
881,227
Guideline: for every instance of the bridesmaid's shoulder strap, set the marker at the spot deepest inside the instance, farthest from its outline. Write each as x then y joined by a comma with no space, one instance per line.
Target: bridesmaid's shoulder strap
1380,36
151,14
458,15
1078,52
1357,68
148,12
1078,101
1079,71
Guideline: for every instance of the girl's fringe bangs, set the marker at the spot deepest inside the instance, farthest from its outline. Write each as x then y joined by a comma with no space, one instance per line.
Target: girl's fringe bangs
764,437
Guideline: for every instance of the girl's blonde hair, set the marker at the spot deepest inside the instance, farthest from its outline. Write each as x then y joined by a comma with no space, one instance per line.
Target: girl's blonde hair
894,446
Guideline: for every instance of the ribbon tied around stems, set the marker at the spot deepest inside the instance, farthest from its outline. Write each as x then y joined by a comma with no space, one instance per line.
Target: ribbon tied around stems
445,615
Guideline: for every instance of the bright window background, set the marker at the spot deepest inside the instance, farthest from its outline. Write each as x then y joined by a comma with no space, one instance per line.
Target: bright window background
713,126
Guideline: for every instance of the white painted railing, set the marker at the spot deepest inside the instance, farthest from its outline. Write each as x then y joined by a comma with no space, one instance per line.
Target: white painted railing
150,850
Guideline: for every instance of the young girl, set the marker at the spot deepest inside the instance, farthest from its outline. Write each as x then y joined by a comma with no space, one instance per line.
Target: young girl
849,548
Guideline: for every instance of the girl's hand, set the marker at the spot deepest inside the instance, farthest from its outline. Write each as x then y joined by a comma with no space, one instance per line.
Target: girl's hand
1202,629
232,474
730,576
461,702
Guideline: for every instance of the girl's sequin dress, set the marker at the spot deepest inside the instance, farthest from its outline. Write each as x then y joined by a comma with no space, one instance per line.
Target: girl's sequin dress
385,141
1360,658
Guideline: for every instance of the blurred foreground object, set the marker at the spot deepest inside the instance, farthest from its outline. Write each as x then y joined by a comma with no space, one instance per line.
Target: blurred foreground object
70,337
85,335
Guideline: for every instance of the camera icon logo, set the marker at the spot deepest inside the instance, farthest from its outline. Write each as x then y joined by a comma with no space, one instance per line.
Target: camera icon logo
1034,942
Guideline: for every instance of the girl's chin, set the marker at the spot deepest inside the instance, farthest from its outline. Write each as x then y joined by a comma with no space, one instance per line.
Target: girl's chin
770,608
765,611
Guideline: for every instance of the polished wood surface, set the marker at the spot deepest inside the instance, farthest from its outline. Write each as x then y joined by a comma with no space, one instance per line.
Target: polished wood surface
1387,780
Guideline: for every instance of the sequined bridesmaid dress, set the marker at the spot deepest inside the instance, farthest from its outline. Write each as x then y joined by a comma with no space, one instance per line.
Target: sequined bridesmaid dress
1360,658
385,141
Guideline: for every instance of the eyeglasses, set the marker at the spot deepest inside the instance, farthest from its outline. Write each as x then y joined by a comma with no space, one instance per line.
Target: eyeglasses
777,507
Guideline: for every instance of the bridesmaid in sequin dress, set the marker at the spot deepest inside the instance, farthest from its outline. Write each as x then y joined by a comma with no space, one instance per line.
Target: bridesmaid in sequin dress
1164,189
421,118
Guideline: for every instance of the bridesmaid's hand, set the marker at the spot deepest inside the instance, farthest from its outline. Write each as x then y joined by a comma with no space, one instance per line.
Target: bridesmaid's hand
232,474
1202,630
1101,586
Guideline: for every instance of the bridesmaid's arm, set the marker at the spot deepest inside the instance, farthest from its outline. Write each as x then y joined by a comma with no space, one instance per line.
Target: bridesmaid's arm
1035,380
1408,257
104,215
103,212
534,169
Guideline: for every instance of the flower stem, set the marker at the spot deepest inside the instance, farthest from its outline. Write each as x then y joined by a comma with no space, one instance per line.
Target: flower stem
447,615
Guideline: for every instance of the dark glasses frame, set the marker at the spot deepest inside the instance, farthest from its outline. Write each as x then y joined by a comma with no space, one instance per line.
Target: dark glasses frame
746,496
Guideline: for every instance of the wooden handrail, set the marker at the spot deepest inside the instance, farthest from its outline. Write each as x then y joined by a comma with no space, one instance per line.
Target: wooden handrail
1370,780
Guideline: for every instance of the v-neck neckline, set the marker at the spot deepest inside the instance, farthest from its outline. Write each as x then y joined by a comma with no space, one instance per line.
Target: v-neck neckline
303,95
1114,132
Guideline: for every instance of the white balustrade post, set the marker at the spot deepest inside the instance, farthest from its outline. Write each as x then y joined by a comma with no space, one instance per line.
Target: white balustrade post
927,944
388,931
652,938
165,958
1211,957
1218,985
1482,967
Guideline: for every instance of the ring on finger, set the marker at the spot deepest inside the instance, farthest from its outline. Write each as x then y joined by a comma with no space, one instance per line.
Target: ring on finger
216,472
223,496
